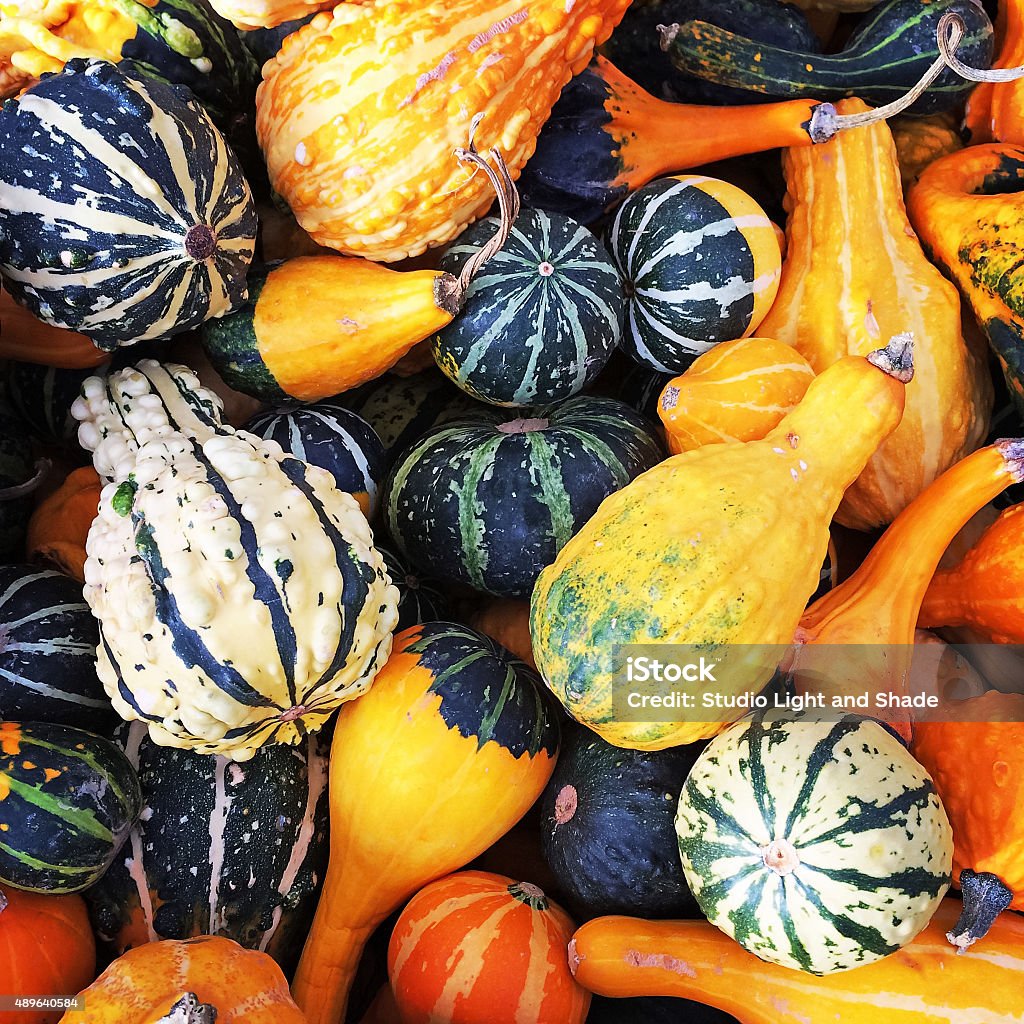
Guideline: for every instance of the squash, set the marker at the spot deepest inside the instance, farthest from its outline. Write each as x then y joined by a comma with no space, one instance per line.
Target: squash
703,529
48,654
70,798
994,109
151,229
326,435
701,264
884,58
59,527
25,337
42,397
820,846
923,983
490,499
607,827
539,325
20,477
736,391
876,608
607,137
511,933
639,387
975,759
219,849
254,14
920,141
968,210
46,949
506,620
264,42
239,595
366,163
197,980
445,754
420,598
983,591
846,212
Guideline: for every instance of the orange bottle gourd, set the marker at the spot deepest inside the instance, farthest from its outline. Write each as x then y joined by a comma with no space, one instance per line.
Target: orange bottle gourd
480,948
361,110
977,763
720,546
855,273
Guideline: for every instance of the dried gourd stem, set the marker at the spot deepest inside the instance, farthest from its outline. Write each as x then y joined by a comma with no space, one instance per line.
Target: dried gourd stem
946,50
20,490
897,358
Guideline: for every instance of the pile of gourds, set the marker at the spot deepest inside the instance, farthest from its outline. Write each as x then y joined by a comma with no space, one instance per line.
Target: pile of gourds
374,373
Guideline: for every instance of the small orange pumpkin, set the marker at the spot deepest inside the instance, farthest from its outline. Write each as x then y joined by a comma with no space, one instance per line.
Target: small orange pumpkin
477,948
60,524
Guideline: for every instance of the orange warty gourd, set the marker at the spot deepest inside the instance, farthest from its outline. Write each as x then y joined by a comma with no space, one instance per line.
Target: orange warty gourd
877,607
855,273
360,112
977,764
478,948
46,949
925,982
59,526
985,591
25,338
203,979
736,391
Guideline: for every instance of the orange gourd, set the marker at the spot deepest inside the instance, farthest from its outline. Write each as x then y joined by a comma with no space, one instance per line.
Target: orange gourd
995,110
925,982
855,273
478,948
507,620
25,338
977,764
985,591
46,949
360,112
192,981
59,526
736,391
253,14
920,141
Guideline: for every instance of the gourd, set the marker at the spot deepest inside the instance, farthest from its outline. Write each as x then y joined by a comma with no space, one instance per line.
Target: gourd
254,14
329,436
876,609
506,620
27,338
967,209
48,655
490,499
886,55
606,137
975,761
59,527
920,141
240,574
220,848
983,591
923,983
201,979
264,42
736,391
448,750
20,476
640,388
607,827
818,845
152,229
70,798
46,949
42,397
367,166
843,216
701,264
994,109
510,929
703,527
542,320
420,597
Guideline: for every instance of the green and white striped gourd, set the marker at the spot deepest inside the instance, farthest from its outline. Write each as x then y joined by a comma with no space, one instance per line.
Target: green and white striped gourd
239,594
817,845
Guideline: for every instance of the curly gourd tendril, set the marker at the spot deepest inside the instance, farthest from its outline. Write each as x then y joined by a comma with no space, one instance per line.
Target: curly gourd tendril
947,52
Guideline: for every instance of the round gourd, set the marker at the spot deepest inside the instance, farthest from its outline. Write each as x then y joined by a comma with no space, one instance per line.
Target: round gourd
326,435
48,653
420,598
123,213
701,265
489,500
821,846
220,848
69,799
607,827
540,320
513,935
42,397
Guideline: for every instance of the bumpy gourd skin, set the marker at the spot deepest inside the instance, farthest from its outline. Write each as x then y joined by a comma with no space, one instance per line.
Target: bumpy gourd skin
239,594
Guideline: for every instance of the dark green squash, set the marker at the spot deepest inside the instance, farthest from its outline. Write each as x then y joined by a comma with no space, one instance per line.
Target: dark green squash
420,598
42,396
69,798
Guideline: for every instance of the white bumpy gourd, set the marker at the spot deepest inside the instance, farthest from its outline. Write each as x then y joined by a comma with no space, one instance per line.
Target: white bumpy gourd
239,594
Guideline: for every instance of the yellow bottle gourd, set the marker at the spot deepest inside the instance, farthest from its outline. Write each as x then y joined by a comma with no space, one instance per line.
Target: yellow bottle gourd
718,546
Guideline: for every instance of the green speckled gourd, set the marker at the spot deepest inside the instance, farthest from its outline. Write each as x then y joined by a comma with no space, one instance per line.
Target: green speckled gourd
239,594
821,846
718,546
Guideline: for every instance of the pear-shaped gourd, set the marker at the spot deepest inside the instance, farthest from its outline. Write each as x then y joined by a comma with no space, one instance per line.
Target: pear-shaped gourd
239,594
